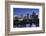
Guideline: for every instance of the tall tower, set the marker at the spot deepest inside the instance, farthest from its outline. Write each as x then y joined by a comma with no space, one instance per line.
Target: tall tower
27,15
21,15
33,15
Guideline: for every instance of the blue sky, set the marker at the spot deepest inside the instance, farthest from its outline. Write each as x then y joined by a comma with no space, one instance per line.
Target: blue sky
24,11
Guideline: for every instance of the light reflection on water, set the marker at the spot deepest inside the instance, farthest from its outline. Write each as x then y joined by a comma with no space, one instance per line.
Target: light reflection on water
26,25
33,25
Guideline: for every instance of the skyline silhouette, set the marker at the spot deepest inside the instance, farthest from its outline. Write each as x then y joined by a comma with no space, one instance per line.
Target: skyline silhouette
24,11
25,21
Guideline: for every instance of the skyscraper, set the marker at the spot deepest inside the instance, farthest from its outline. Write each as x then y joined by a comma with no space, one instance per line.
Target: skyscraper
21,16
27,15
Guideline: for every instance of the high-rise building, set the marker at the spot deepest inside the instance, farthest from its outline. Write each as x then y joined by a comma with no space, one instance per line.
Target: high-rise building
27,15
21,16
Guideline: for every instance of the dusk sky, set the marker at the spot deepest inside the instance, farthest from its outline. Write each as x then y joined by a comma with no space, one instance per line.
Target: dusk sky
24,11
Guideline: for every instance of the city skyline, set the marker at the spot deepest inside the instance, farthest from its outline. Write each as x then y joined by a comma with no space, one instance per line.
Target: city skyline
24,11
29,20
